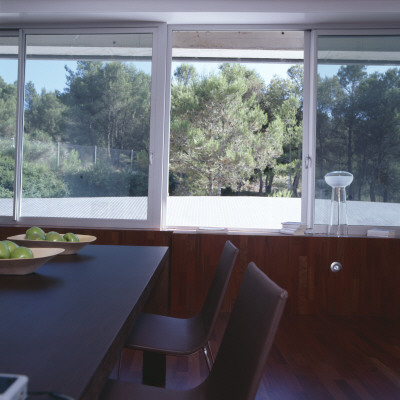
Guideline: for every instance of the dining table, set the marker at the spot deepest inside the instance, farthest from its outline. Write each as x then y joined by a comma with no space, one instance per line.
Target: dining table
64,325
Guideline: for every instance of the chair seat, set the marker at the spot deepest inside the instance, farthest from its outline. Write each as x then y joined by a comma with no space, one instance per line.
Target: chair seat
119,390
173,336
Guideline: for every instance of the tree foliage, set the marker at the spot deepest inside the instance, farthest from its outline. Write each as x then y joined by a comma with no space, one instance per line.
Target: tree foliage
218,135
110,102
358,130
8,108
44,114
230,132
283,102
105,105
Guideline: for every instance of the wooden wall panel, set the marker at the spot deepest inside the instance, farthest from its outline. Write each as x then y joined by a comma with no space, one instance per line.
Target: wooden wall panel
139,237
195,257
367,285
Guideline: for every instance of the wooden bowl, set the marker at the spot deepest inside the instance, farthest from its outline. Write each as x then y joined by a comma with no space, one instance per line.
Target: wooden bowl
69,247
23,266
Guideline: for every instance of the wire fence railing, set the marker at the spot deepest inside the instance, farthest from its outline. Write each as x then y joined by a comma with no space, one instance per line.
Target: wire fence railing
66,155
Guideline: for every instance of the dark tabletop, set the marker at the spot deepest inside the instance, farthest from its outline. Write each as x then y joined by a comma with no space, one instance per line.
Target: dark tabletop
64,325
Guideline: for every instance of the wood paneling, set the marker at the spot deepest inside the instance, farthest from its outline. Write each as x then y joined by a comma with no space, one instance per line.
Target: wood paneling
106,236
367,284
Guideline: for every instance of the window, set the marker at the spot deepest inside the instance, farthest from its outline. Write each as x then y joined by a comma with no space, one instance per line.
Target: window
90,115
86,139
8,119
358,126
235,129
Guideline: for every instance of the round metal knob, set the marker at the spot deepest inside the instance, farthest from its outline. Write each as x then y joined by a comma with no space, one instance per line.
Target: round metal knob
336,266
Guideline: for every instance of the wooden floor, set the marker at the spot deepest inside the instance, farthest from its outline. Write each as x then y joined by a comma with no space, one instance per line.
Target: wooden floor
313,358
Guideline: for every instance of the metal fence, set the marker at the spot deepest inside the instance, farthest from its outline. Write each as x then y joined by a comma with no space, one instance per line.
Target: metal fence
59,153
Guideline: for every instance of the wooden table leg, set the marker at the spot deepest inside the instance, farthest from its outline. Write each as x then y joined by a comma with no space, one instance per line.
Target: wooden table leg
154,369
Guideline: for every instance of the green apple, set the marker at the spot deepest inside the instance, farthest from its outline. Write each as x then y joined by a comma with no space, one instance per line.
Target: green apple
34,229
4,250
71,237
53,236
21,252
11,245
35,236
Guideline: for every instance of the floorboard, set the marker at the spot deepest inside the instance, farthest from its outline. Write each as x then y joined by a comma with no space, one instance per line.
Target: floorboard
313,358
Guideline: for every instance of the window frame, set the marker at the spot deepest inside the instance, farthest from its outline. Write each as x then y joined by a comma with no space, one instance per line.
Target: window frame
160,121
306,179
15,33
157,137
321,229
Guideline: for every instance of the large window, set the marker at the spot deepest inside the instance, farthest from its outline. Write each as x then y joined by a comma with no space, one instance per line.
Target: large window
358,126
236,129
88,134
200,128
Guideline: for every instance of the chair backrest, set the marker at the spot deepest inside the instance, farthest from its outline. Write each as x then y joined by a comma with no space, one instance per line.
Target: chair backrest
248,338
219,284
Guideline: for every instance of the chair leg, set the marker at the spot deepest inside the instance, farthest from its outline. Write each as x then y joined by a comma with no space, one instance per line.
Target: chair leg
154,369
208,355
119,365
211,353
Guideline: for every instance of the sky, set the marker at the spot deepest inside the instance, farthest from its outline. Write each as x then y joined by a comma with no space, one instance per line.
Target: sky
41,75
267,72
54,78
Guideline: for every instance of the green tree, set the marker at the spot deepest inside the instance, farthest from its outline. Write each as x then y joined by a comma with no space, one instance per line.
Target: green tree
350,77
329,125
6,176
8,112
8,109
185,74
377,140
41,181
214,121
283,101
267,147
109,106
292,140
44,117
358,130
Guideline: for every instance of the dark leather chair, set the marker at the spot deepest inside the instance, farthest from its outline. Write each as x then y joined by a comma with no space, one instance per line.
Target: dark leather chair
241,358
183,336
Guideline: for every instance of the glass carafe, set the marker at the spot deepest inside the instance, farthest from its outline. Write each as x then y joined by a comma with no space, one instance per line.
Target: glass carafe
338,181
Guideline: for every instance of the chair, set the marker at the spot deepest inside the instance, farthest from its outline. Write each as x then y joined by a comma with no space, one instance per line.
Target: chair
182,336
241,358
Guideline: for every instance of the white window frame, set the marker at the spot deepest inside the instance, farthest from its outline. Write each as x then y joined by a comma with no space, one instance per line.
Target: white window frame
15,34
307,173
157,137
321,229
160,122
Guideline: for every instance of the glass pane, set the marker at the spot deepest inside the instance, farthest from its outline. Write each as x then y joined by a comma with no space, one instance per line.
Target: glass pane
8,120
236,129
87,126
358,126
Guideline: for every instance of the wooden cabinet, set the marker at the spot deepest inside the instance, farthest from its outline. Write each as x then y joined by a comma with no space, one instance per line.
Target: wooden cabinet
367,284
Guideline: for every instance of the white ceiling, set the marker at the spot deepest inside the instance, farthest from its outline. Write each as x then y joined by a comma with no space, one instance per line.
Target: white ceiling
305,12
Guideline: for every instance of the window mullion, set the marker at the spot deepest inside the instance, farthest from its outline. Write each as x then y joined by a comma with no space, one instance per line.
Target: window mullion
157,140
20,126
309,127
